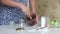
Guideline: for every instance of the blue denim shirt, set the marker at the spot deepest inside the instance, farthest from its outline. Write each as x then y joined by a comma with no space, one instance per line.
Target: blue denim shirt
8,13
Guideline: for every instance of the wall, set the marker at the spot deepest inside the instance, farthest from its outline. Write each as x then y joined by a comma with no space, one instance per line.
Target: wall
41,7
48,8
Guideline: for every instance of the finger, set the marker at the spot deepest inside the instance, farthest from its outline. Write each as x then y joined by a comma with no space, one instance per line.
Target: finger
27,14
37,19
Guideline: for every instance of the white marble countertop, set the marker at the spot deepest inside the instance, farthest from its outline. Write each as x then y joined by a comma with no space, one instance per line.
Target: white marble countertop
5,30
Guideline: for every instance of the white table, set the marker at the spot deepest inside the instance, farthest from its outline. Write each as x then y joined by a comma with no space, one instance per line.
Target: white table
5,30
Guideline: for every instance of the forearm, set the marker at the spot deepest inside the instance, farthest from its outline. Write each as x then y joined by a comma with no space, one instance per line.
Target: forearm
0,1
33,5
12,3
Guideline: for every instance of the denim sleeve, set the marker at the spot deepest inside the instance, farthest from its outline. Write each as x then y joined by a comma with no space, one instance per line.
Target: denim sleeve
25,2
8,14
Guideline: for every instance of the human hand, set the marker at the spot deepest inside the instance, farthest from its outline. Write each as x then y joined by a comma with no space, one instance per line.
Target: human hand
26,11
34,15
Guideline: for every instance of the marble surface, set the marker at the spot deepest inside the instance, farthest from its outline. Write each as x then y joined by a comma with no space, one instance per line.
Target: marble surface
6,30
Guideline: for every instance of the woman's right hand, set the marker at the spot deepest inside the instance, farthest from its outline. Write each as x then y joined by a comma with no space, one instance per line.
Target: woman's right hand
26,11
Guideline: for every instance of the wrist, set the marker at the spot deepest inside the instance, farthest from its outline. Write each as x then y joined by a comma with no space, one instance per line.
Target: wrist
34,11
